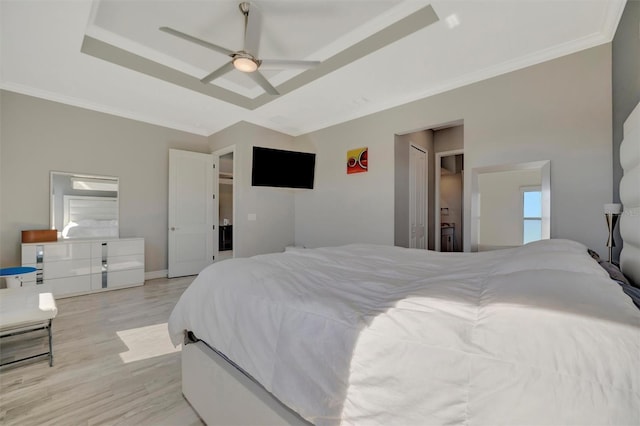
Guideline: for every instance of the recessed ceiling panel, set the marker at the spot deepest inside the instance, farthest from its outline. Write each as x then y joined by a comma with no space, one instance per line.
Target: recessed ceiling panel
296,30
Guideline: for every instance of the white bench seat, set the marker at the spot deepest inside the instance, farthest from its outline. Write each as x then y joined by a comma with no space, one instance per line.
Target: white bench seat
26,309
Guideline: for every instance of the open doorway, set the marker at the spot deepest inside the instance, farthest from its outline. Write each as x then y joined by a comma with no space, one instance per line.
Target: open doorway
226,204
437,143
449,199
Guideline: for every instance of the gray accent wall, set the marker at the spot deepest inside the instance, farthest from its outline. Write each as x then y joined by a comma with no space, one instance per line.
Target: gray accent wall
626,87
38,136
559,110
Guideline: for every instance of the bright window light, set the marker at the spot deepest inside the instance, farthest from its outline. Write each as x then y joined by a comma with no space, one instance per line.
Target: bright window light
532,214
89,184
146,342
452,21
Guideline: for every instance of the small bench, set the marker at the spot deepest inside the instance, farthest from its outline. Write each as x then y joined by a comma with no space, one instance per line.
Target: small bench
23,310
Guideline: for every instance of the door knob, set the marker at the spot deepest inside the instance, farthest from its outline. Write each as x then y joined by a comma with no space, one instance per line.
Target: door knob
173,228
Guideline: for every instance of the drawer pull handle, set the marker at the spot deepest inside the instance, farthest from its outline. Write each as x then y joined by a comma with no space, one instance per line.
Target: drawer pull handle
105,267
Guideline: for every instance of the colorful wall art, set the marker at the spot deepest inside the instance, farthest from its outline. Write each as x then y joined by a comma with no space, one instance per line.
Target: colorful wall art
357,160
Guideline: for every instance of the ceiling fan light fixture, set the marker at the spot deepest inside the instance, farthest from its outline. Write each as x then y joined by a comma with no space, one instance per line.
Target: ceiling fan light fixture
245,64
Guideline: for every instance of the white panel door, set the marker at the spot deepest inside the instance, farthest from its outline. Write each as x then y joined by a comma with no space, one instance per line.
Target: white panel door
191,213
417,198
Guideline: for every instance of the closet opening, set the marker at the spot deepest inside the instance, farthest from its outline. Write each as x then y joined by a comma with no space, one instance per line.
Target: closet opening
443,147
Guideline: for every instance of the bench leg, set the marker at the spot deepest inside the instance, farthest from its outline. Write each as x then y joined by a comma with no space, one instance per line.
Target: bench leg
41,327
50,344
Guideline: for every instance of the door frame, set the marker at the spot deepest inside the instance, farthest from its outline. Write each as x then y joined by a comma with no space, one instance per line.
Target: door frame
426,193
231,149
436,197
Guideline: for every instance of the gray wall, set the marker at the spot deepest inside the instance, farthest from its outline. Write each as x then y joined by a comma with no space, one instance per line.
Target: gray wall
559,110
273,228
626,87
449,138
38,136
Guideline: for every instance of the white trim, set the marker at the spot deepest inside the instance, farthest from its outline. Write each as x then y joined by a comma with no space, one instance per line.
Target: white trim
81,103
612,18
436,197
535,58
152,275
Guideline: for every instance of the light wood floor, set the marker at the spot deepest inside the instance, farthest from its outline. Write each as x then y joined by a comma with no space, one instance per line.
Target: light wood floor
97,378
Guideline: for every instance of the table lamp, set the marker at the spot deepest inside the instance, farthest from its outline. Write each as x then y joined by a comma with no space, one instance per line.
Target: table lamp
611,213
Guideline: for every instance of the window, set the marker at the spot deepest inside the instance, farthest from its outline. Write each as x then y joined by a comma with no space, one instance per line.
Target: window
531,214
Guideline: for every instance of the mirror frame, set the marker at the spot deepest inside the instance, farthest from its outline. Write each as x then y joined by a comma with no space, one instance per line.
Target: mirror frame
52,204
545,173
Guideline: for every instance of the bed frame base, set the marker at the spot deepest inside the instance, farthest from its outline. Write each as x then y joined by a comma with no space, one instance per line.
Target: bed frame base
223,395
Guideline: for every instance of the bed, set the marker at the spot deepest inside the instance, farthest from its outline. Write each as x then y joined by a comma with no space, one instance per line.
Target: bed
380,335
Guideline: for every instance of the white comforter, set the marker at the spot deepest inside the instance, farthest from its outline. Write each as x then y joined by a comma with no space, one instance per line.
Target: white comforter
379,335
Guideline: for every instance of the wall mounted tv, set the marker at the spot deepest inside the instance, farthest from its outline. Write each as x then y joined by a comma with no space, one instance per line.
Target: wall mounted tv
282,169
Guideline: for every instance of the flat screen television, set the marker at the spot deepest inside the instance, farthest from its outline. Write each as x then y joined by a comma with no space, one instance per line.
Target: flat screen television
282,169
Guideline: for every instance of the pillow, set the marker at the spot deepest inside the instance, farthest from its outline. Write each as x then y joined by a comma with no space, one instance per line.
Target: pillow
612,269
616,274
593,254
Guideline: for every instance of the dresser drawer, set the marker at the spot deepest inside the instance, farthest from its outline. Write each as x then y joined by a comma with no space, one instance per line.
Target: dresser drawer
56,252
125,278
119,263
69,285
66,268
125,248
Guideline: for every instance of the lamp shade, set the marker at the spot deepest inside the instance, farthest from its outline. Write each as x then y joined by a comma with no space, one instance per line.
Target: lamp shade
613,208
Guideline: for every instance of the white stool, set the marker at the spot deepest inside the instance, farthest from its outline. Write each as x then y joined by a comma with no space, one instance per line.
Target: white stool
23,310
14,276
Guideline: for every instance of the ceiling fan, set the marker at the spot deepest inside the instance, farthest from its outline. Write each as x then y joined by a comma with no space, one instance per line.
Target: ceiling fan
245,60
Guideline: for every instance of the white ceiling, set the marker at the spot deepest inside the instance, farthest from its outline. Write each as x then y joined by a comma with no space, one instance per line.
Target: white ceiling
41,53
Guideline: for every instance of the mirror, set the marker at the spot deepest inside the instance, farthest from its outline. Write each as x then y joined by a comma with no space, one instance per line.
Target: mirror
510,205
84,206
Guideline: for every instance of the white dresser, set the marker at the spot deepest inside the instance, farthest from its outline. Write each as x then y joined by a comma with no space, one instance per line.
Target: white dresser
73,267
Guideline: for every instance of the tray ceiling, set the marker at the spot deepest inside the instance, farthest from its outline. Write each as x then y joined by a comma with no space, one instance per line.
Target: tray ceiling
110,56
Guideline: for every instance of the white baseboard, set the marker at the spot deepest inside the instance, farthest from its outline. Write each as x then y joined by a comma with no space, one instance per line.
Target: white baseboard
152,275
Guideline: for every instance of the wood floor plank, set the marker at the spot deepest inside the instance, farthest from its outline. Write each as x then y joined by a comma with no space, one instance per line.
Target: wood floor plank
101,374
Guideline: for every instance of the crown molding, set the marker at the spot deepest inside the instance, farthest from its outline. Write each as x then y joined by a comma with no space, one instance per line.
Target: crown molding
535,58
81,103
609,25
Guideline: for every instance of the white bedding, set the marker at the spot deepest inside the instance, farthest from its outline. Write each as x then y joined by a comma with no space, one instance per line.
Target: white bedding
379,335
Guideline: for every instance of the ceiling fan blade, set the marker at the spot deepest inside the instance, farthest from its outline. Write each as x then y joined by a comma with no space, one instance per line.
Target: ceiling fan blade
219,72
279,64
252,30
193,39
263,82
